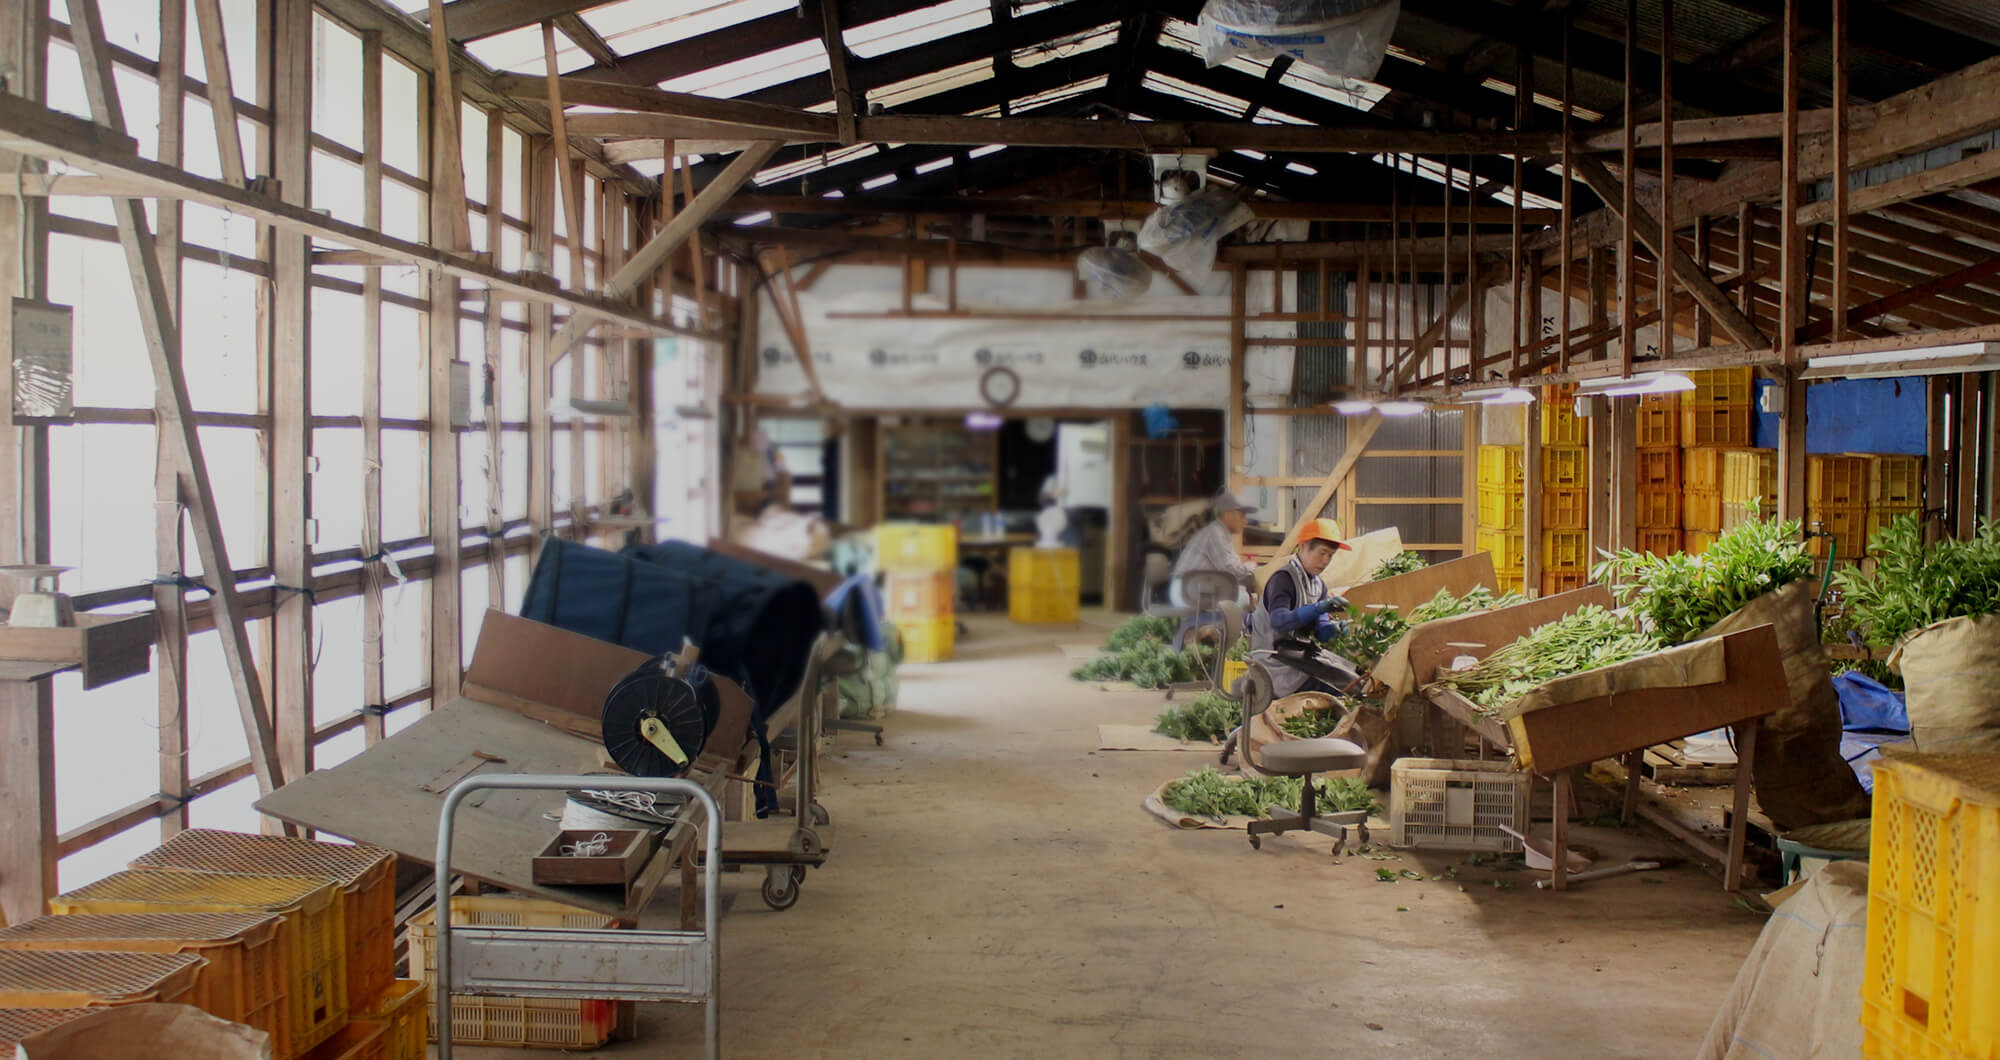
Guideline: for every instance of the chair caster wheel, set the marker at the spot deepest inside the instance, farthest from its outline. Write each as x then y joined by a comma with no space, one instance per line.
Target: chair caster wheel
1256,843
781,889
878,739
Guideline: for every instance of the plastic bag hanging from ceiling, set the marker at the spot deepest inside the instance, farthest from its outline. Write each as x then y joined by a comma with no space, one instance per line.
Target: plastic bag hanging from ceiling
1185,235
1116,272
1346,38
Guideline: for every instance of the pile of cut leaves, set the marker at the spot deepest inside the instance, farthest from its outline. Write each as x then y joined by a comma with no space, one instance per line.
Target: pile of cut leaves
1586,639
1207,716
1445,605
1141,651
1367,637
1208,792
1678,597
1914,585
1405,562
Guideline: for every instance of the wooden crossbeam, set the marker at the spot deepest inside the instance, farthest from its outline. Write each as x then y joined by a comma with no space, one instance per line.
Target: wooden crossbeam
1647,230
1967,171
836,68
1908,296
174,414
1131,209
668,239
1689,132
221,90
466,20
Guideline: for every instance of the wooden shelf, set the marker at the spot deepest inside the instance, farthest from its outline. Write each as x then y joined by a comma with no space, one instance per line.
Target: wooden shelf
106,648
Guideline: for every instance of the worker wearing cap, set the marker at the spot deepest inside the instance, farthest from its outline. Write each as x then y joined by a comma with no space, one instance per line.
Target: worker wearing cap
1213,548
1299,603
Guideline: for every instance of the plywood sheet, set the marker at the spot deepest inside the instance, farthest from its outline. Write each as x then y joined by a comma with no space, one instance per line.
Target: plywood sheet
1405,591
540,664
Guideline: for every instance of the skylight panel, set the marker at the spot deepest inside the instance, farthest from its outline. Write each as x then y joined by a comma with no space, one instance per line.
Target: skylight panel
1302,169
1249,153
1057,95
1346,91
917,28
635,25
905,92
1272,116
1207,97
775,67
934,165
794,170
989,149
1068,47
882,181
758,218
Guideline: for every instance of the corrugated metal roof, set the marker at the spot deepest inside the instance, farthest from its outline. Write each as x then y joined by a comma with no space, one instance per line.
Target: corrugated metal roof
1978,19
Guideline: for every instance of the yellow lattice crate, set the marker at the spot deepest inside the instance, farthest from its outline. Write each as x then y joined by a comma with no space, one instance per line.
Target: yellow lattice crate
1895,481
1565,467
1932,980
1500,508
928,640
534,1022
1566,550
358,1040
1659,420
916,546
1721,386
243,981
1657,509
1565,509
1735,515
1510,581
1696,542
366,875
1562,581
65,979
1842,532
1879,519
1044,584
1750,475
1658,467
1701,510
1701,468
919,594
1507,546
1502,466
1561,425
312,940
1727,426
404,1007
1836,482
1660,542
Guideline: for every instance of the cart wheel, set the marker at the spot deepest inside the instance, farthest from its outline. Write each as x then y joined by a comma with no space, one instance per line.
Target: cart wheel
780,890
1364,834
806,841
1256,843
798,874
819,816
878,739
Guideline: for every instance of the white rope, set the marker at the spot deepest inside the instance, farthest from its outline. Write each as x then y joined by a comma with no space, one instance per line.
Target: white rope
595,847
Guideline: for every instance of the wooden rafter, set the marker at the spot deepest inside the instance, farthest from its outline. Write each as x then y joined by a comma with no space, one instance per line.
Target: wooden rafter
844,102
466,20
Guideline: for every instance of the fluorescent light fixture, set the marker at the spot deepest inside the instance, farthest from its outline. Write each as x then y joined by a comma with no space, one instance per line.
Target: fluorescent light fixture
983,421
1402,408
1353,406
1643,383
1930,360
1500,395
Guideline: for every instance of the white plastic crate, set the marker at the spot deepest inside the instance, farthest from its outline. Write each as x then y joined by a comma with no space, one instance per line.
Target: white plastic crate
1456,804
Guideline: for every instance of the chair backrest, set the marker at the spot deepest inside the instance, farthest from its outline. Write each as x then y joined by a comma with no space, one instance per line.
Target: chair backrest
1204,589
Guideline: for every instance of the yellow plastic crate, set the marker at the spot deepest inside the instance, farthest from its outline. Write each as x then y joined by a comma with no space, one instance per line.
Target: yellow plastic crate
1565,509
1561,425
1836,482
403,1008
1659,420
1507,546
366,875
1658,509
1879,519
312,940
1233,669
1658,467
1660,542
1735,515
1565,550
1750,475
1842,530
1565,468
1896,481
1696,542
358,1040
916,546
928,640
1701,510
243,981
1510,581
533,1022
1701,468
1716,425
62,979
19,1023
1503,466
1721,386
1044,584
919,594
1562,581
1932,984
1501,508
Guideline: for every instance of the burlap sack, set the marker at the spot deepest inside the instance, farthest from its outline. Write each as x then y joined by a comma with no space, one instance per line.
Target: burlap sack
1951,680
1799,775
1798,993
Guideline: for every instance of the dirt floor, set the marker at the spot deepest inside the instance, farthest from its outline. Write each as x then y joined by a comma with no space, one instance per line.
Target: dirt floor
995,889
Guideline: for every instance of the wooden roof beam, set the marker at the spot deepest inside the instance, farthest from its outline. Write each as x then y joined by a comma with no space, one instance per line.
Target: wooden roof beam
466,20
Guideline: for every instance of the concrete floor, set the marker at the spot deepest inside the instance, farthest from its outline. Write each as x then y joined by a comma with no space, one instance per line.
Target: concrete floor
995,889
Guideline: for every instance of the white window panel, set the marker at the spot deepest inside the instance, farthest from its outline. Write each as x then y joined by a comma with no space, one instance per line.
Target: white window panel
804,59
1068,47
918,28
903,92
1218,101
635,25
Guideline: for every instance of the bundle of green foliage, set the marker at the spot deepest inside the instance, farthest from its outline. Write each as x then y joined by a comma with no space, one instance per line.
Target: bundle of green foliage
1367,637
1207,716
1149,663
1206,792
1678,597
1914,585
1404,562
1141,628
1311,724
1445,605
1586,639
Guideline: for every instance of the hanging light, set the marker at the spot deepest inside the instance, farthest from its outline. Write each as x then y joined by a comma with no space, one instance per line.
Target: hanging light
1501,395
1643,383
1353,406
1402,408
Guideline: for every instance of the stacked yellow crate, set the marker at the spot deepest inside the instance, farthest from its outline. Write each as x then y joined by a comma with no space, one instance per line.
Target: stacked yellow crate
1565,499
1837,506
1895,488
1658,486
921,561
1502,475
1716,416
1749,486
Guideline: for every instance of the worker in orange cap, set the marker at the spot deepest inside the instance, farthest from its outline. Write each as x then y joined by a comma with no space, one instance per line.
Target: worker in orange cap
1299,603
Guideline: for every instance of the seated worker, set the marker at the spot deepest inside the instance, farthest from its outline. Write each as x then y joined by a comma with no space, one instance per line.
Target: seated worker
1298,603
1213,548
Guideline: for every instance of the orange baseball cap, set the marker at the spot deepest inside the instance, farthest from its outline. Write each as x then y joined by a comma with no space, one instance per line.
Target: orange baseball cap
1326,530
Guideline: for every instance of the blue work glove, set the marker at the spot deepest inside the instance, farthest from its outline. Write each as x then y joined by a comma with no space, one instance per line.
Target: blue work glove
1332,629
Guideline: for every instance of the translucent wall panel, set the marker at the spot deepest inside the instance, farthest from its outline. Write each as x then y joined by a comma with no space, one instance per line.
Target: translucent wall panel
336,660
337,345
337,488
404,482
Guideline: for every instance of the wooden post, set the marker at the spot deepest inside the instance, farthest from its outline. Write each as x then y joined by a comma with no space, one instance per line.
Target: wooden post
291,396
1238,278
447,218
1792,447
374,696
1531,498
1965,435
1793,293
170,552
1624,416
1663,273
486,391
1628,211
1746,760
1120,529
1559,831
1840,91
1568,250
549,157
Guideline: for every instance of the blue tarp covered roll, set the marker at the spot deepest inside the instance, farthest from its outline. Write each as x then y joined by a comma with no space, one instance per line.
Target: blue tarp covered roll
763,623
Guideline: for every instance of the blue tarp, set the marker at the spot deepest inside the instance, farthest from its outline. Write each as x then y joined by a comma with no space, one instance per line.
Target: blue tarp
1857,416
1872,715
